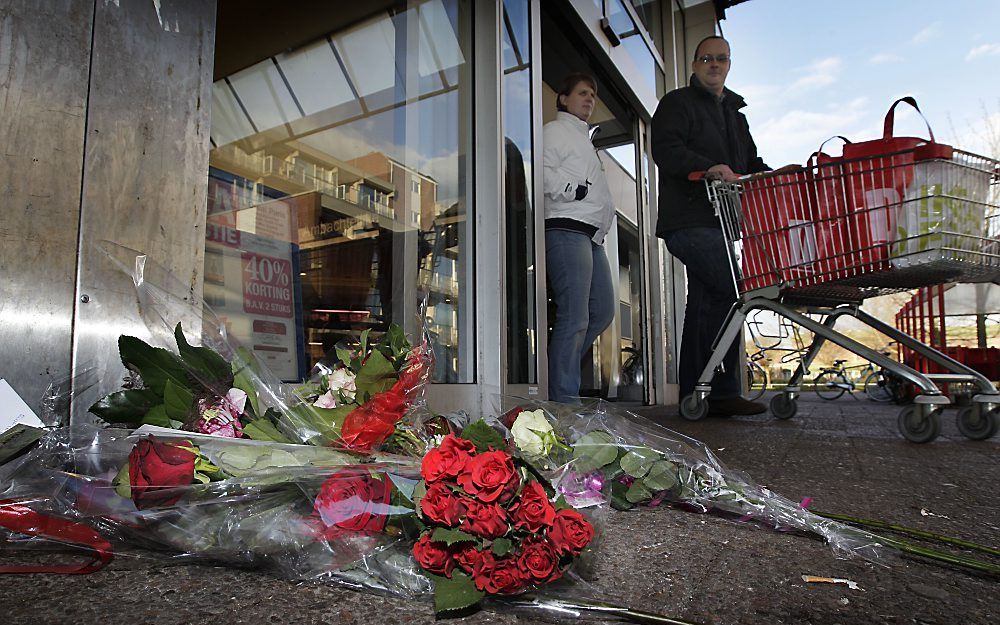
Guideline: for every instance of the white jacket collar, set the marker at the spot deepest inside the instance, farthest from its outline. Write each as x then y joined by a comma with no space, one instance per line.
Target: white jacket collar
572,119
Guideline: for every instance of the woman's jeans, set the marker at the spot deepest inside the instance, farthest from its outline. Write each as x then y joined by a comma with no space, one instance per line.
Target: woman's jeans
710,294
580,282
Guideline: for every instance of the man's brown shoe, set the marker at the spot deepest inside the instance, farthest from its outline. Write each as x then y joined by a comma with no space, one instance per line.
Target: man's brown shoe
734,406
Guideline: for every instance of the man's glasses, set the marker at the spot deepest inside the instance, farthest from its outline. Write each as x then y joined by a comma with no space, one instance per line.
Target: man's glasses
718,58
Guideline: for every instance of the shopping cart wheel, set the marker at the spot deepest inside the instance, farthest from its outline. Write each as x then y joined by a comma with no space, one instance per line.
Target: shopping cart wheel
919,423
783,407
693,408
976,424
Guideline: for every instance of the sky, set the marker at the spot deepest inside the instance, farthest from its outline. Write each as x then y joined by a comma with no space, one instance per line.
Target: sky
812,69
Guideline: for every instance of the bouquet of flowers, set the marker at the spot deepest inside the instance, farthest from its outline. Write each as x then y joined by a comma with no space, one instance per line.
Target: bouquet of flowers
466,522
592,454
220,388
489,524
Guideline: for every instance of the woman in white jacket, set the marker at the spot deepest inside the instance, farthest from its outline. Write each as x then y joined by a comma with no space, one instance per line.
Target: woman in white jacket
578,214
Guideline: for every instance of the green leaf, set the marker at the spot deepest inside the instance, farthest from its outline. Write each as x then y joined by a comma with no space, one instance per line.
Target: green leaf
483,436
594,450
638,461
243,381
637,493
502,546
238,460
177,400
264,430
154,364
404,486
123,483
213,368
455,594
332,418
618,499
344,356
157,415
613,471
364,340
662,476
451,536
126,406
419,491
377,375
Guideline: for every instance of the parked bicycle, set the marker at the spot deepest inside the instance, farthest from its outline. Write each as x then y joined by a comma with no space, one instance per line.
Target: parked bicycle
880,385
769,335
757,378
632,367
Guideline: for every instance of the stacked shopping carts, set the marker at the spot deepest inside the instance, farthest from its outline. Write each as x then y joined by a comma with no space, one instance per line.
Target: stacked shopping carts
811,244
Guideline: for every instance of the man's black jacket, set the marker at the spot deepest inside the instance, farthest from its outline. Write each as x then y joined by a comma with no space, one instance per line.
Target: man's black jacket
693,131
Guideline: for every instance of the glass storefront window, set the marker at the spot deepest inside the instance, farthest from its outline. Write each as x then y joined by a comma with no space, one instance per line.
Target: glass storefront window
633,42
339,191
522,340
650,14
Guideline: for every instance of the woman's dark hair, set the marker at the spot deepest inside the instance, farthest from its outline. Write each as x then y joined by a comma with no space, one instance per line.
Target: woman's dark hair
570,82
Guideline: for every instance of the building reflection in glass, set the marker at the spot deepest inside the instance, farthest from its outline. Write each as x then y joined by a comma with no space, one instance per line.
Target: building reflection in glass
362,139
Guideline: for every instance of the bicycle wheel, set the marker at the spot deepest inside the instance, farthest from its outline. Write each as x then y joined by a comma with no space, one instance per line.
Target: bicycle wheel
756,380
830,385
876,389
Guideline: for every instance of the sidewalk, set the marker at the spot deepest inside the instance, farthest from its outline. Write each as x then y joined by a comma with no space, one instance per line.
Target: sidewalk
847,455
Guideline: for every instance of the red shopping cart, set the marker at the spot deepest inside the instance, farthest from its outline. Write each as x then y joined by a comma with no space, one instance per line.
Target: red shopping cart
812,244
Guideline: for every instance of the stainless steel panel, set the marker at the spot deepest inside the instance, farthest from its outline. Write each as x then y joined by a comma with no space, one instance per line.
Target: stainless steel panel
489,201
44,62
145,166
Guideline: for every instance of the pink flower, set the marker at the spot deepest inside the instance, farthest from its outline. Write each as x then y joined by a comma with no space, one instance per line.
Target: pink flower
223,419
326,400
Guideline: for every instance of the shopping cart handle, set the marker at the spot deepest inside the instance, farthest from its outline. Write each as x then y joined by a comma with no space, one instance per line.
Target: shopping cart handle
697,176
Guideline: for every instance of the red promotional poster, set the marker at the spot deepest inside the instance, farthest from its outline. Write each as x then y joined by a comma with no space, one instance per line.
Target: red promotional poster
267,285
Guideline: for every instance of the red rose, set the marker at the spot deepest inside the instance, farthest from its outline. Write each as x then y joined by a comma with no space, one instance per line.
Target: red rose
447,460
532,512
510,416
497,575
490,477
571,532
441,505
466,556
486,520
156,468
539,561
433,557
353,501
363,430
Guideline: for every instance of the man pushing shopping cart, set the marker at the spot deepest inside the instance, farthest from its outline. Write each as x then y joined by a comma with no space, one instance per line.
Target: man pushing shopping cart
812,243
700,128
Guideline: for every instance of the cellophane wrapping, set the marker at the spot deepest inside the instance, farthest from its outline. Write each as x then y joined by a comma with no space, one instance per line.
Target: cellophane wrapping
198,377
595,451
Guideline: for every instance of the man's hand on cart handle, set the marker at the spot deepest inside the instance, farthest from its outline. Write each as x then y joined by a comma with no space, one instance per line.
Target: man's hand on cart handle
715,172
722,172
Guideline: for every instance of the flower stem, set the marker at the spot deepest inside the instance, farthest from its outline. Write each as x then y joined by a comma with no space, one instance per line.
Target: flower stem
875,523
609,610
940,556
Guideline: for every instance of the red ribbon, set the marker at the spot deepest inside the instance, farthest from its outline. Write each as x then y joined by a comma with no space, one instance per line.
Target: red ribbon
23,520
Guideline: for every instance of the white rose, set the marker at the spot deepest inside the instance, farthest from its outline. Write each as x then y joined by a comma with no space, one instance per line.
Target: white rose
533,433
342,380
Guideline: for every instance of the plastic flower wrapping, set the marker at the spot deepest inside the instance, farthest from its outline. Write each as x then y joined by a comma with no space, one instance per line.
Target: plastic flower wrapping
593,452
221,388
350,478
